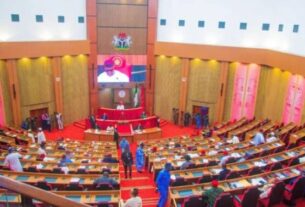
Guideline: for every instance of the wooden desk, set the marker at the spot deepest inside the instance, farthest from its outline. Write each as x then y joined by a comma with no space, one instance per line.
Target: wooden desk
98,135
192,175
230,127
295,137
102,135
56,180
177,194
92,197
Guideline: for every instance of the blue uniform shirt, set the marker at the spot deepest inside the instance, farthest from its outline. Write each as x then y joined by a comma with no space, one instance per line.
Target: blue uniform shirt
163,179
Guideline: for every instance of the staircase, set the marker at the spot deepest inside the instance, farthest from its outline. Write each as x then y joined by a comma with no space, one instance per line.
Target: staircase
80,124
143,181
163,122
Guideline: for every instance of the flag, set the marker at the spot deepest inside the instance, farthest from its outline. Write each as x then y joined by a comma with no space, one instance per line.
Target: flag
136,97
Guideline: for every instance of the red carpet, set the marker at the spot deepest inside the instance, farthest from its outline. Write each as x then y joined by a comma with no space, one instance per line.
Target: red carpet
143,181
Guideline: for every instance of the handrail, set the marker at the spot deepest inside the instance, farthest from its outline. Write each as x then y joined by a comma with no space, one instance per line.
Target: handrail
39,194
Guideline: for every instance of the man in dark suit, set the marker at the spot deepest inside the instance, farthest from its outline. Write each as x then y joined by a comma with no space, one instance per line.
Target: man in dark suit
224,172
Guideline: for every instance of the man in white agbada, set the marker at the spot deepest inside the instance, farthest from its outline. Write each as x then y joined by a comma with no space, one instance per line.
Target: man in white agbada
41,137
59,121
110,75
12,160
235,139
271,138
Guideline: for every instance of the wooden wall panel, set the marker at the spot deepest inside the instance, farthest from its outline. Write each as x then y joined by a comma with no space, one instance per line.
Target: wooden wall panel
273,85
229,91
105,96
167,88
75,87
204,85
105,36
15,50
35,84
120,15
6,93
293,63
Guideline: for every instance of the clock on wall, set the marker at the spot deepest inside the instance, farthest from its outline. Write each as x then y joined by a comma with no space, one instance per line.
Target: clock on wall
122,93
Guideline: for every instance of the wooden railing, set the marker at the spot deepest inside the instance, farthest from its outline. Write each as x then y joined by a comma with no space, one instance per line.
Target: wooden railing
38,194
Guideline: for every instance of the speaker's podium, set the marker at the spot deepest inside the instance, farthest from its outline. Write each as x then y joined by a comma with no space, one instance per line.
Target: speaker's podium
128,128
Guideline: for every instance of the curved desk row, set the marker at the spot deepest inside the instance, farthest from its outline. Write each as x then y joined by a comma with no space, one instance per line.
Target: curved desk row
89,197
56,180
148,122
177,194
144,135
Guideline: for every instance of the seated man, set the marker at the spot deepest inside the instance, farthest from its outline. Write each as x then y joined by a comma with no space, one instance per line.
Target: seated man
42,151
271,137
258,139
211,194
105,179
235,139
187,162
104,116
139,127
134,201
225,158
120,106
223,173
12,160
109,159
110,128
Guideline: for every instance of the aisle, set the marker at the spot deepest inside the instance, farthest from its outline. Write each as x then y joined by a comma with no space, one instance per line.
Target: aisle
143,181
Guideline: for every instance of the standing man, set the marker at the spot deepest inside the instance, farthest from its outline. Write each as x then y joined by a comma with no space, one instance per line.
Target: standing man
198,121
163,181
59,121
124,144
41,137
258,138
140,158
12,160
127,161
116,137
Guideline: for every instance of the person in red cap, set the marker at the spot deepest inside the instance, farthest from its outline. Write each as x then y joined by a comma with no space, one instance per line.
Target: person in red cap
110,75
211,194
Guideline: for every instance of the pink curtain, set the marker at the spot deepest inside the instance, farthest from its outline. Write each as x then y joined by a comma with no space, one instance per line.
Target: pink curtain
251,90
2,113
294,101
244,91
238,91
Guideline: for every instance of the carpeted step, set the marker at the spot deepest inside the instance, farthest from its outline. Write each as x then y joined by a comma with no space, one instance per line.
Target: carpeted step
144,192
80,124
148,202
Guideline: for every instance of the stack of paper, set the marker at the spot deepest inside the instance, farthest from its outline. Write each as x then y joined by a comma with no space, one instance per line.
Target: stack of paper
237,185
259,164
258,181
194,155
173,177
205,161
302,159
74,180
39,166
215,171
296,171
